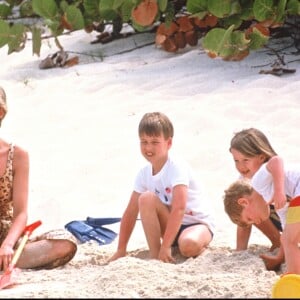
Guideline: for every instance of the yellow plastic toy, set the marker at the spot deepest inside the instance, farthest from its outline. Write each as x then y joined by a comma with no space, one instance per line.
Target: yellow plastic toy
287,286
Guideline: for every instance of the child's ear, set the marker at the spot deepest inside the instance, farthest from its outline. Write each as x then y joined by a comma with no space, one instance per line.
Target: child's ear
243,201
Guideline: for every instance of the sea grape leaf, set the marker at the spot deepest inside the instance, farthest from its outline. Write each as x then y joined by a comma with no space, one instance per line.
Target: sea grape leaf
4,33
5,11
91,6
117,3
36,40
263,9
17,38
293,7
220,8
225,43
231,20
280,11
45,8
107,11
145,13
74,17
126,9
196,6
162,4
169,14
258,39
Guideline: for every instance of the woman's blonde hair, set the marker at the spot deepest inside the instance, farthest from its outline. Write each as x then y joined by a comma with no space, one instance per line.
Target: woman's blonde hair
3,104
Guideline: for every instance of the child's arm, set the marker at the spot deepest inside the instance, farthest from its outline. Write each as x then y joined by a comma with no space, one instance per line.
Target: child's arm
126,226
174,222
275,167
242,237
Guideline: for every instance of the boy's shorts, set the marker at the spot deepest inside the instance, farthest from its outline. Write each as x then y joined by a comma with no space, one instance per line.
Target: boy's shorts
293,212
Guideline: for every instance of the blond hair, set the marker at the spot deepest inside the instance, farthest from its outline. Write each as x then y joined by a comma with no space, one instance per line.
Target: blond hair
156,123
252,142
3,104
235,191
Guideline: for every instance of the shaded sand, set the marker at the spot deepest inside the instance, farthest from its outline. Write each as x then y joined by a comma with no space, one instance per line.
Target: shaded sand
79,125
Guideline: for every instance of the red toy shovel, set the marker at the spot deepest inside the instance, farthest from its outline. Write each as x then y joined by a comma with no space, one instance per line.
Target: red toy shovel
8,277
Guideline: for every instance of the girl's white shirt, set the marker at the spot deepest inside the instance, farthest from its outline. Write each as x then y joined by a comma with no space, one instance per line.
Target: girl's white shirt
262,182
175,172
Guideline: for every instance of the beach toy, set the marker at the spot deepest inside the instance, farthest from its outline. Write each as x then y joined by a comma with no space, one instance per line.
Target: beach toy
287,286
9,276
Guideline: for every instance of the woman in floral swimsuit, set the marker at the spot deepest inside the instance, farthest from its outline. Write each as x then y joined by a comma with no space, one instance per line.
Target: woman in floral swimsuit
49,250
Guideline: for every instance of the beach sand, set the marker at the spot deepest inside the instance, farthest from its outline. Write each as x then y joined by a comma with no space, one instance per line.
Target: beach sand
79,125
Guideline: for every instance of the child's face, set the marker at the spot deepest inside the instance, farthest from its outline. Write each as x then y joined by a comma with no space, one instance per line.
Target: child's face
246,165
154,148
255,209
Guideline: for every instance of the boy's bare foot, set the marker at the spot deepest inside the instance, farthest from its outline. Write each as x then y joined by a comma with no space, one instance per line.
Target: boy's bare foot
273,247
271,262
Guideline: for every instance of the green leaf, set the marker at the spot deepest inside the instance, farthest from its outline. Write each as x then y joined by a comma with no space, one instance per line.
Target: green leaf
162,4
232,20
169,14
247,11
5,11
281,11
91,11
225,43
36,40
107,11
63,5
45,8
26,9
117,3
4,32
196,6
54,26
293,7
219,8
126,11
257,39
17,38
263,9
74,17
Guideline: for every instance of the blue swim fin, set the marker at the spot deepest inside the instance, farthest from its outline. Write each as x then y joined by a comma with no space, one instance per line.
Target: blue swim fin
101,221
85,232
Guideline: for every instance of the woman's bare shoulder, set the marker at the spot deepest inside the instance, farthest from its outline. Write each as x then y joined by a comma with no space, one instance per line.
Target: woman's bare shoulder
21,155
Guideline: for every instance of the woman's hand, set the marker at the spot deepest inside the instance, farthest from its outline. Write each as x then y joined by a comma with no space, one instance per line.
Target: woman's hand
6,254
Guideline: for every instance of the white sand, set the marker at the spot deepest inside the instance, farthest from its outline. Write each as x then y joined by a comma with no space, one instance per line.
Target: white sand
80,126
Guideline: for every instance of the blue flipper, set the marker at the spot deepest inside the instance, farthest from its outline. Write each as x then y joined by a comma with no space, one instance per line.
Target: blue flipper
107,234
96,222
85,232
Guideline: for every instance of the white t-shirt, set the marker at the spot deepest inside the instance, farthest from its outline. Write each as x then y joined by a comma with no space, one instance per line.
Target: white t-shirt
175,172
262,182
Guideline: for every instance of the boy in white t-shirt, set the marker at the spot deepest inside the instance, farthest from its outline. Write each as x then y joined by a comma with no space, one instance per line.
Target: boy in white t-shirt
247,202
171,204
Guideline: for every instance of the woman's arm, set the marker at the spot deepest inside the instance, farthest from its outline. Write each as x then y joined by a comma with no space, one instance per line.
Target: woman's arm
20,204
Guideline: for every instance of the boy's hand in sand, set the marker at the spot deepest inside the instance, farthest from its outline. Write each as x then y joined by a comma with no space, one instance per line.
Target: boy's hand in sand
165,255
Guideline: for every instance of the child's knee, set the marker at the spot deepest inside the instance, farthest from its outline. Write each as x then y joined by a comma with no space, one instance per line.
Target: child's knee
189,247
147,199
